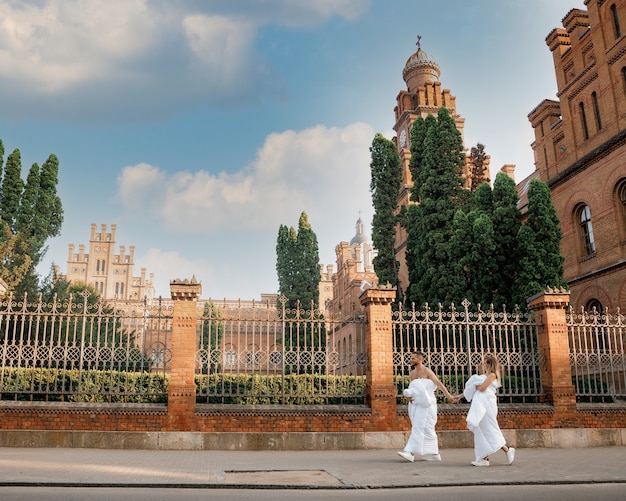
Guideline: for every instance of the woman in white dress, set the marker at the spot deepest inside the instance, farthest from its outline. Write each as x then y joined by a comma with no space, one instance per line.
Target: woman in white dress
422,410
481,390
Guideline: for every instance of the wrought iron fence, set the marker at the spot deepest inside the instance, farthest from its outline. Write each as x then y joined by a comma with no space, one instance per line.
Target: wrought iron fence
454,343
264,353
83,350
597,357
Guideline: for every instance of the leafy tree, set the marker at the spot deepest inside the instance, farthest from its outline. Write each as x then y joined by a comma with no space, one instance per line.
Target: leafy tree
438,189
32,210
11,189
471,250
477,171
14,259
297,265
506,219
541,263
385,187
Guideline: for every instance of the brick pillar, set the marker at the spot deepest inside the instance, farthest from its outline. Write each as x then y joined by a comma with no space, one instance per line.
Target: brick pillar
181,394
380,391
556,373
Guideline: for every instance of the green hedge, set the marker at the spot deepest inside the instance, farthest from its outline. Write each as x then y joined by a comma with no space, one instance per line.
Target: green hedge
54,385
299,389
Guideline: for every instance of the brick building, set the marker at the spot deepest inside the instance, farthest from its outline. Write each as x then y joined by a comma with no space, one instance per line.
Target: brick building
580,151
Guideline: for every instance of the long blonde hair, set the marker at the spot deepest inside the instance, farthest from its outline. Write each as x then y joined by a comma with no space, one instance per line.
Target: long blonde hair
493,365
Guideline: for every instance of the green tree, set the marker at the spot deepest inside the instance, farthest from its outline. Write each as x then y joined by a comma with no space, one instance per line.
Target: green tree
477,169
539,239
14,259
506,219
471,250
11,189
386,181
40,215
297,265
33,212
438,190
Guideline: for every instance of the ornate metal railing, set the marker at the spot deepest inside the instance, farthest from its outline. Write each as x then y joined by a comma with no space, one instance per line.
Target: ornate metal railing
455,341
597,344
265,353
82,350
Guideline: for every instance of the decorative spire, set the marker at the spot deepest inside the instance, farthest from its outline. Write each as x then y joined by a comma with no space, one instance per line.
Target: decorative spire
420,68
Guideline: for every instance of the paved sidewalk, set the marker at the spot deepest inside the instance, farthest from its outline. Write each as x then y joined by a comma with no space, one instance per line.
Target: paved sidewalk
302,469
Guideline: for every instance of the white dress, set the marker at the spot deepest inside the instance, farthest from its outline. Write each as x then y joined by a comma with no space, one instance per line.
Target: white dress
423,413
482,419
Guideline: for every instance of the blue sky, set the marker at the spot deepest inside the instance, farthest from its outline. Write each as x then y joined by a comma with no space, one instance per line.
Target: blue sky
199,126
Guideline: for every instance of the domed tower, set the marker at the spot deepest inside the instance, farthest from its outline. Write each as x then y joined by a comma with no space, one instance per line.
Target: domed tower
362,248
423,96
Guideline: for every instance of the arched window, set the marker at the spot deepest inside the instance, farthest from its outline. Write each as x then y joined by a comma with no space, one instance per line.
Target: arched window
583,120
586,230
594,307
98,266
594,312
122,289
103,261
596,110
621,191
616,28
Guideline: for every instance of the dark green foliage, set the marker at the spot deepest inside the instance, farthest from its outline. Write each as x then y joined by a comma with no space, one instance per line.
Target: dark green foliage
506,219
385,187
436,171
541,264
297,264
55,385
33,211
11,189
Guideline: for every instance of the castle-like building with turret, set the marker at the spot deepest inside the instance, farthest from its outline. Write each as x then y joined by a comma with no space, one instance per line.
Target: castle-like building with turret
111,273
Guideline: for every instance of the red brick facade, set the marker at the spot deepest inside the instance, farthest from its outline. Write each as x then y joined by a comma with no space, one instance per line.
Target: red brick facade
580,151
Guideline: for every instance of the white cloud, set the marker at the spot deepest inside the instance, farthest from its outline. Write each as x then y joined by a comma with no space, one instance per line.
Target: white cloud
165,263
54,45
222,45
124,59
323,171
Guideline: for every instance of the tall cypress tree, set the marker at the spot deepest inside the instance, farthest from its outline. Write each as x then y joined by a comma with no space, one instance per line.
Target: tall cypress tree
438,190
297,264
32,211
541,263
385,187
506,219
11,189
